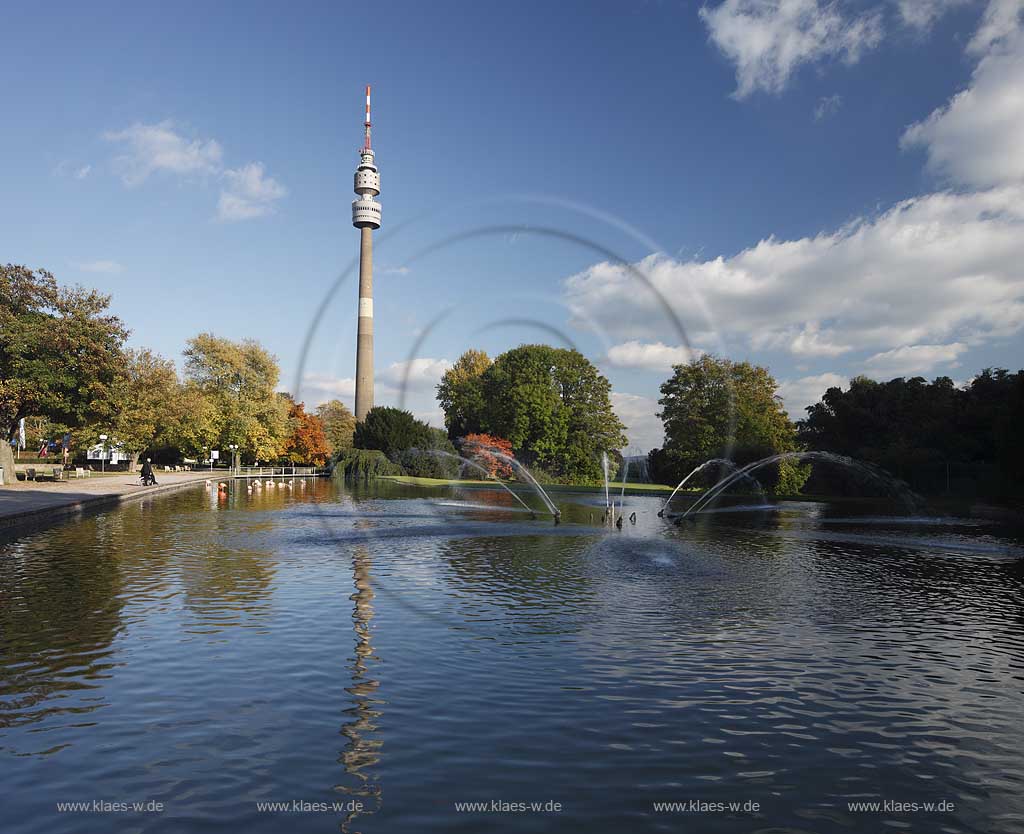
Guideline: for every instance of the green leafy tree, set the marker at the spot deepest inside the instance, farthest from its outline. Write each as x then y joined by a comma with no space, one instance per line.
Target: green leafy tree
390,430
339,425
364,464
934,435
143,403
713,408
433,457
60,354
461,395
407,442
554,407
240,378
194,424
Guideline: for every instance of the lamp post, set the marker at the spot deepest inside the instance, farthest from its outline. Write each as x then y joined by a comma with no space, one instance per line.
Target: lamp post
103,454
234,457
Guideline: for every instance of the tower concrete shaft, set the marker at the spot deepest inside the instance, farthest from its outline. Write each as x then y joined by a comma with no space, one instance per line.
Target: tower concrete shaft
366,218
364,338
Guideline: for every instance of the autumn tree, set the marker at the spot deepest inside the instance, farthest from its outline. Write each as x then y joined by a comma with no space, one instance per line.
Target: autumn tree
481,449
307,442
240,378
339,425
144,403
194,422
60,354
460,393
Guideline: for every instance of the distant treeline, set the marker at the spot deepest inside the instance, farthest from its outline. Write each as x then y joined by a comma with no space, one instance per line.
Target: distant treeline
936,436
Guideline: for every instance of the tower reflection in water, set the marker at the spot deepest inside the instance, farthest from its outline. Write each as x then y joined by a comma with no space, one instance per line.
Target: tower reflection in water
361,752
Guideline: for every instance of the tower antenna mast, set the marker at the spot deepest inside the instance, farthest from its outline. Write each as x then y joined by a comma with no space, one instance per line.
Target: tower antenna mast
366,144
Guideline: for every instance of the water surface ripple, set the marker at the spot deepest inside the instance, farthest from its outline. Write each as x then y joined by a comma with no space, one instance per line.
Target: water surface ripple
410,650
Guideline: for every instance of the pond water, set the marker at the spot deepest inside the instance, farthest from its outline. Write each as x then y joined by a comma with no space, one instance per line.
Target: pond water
316,659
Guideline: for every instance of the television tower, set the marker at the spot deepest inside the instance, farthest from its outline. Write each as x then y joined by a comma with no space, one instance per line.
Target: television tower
366,218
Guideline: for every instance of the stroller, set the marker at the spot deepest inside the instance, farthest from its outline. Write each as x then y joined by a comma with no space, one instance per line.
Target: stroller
148,477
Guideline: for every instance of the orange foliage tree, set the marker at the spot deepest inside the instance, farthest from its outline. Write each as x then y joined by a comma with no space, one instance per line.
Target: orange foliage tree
307,443
480,448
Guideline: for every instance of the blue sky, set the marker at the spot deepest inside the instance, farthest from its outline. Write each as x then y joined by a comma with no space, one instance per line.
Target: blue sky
828,189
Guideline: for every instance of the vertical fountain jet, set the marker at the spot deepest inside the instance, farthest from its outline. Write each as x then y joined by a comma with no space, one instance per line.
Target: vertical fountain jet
366,218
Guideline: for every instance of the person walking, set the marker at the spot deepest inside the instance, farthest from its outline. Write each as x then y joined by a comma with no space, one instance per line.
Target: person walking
148,478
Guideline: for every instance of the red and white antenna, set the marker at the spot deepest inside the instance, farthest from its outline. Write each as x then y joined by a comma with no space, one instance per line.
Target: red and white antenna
366,146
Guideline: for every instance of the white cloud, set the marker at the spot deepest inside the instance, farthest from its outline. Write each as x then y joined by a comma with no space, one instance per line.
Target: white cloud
417,398
827,106
248,193
912,359
423,374
797,394
1001,20
931,268
768,40
976,140
66,168
805,340
656,356
643,428
318,388
160,147
921,14
432,417
394,270
420,374
100,266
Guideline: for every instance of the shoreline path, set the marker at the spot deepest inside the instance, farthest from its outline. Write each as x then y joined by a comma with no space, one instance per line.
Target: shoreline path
28,502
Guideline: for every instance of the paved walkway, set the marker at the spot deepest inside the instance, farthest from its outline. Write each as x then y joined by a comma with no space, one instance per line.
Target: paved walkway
28,502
